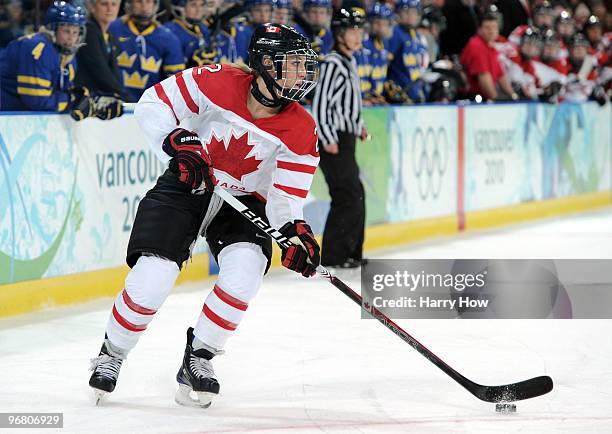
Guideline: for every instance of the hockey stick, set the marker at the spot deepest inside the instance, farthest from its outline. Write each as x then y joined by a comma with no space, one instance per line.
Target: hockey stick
506,393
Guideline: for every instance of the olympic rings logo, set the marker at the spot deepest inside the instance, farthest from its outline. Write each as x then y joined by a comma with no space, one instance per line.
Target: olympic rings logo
430,151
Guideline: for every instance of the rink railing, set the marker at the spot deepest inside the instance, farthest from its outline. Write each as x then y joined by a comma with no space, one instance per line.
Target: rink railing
69,191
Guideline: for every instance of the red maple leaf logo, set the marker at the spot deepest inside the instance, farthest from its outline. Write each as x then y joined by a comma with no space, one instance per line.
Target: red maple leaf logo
232,160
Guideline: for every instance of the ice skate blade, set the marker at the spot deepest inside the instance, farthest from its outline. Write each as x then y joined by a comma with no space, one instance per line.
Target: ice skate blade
184,397
98,396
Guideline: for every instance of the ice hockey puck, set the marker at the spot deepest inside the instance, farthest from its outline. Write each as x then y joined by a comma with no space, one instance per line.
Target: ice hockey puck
505,408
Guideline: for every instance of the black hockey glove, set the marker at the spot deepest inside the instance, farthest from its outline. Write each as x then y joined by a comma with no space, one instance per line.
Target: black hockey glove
190,161
303,256
599,95
80,103
550,94
108,107
394,94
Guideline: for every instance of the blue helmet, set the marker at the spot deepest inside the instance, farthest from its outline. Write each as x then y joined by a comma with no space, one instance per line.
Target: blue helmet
316,4
283,11
248,4
380,11
63,13
178,10
283,4
407,4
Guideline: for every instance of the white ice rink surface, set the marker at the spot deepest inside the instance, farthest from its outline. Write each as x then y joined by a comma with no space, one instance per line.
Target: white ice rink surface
303,360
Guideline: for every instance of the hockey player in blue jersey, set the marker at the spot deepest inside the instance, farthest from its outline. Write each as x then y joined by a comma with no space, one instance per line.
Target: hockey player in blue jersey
317,14
372,60
37,71
259,12
283,12
188,26
148,51
409,50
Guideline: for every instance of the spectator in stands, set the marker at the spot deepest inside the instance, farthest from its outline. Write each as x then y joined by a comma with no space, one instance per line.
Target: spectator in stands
314,24
515,13
188,26
283,12
11,17
461,25
482,64
259,12
408,49
37,72
96,61
373,58
148,52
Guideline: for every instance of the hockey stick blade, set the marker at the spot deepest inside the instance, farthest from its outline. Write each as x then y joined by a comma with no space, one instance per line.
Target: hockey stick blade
531,388
513,392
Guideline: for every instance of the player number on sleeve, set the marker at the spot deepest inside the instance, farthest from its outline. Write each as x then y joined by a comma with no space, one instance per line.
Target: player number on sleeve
37,51
210,68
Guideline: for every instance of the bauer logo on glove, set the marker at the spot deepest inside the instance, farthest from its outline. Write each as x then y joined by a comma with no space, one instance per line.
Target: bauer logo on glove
190,161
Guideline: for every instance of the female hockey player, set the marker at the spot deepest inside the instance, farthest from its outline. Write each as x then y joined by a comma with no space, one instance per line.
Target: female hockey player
249,136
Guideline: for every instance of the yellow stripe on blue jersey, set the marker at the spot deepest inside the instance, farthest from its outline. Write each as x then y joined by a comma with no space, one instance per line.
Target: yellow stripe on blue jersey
37,78
28,79
33,92
174,68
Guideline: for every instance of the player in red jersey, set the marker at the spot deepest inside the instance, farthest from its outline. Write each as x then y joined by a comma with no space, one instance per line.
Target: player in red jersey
521,70
543,18
247,134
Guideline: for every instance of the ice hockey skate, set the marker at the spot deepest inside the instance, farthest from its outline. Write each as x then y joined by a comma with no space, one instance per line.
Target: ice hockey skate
196,377
105,369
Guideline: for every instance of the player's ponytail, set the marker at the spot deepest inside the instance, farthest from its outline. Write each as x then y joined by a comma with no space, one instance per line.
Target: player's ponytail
244,68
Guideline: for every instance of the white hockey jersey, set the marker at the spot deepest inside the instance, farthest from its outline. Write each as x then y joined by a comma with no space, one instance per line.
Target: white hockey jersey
272,158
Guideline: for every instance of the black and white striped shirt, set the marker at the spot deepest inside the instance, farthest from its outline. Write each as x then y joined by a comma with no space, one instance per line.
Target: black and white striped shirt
336,105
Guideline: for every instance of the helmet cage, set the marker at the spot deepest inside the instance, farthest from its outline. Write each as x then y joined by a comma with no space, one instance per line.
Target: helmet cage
284,81
308,64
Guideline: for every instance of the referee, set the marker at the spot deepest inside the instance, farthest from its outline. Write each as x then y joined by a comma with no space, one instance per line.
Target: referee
337,110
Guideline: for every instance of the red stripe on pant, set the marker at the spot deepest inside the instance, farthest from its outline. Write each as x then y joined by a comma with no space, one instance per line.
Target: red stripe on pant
228,299
136,307
223,323
126,324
